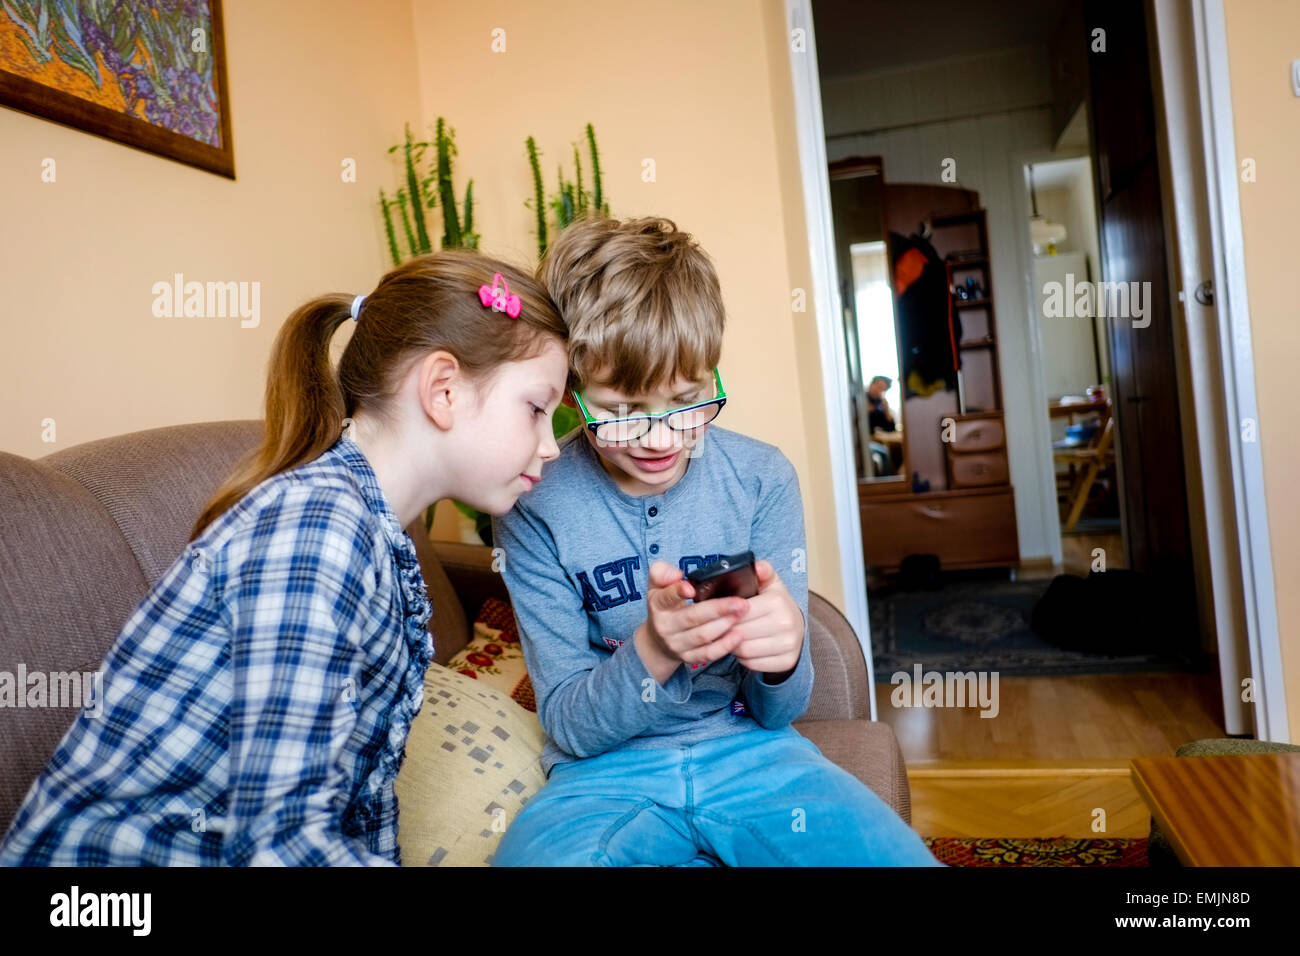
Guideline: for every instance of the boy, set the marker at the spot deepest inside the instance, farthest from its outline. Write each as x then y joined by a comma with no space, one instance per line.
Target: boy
668,722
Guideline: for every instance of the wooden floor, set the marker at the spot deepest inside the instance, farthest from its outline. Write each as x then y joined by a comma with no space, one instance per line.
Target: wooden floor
1054,762
1055,759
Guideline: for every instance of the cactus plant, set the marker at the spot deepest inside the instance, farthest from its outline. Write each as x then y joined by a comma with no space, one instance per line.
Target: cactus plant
539,202
419,194
572,199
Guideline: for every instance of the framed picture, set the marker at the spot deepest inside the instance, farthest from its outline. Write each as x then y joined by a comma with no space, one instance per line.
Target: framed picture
150,75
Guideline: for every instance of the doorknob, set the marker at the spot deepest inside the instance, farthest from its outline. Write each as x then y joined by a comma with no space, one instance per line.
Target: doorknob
1205,292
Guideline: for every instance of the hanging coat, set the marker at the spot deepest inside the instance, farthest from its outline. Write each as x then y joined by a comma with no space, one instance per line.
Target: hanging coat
928,328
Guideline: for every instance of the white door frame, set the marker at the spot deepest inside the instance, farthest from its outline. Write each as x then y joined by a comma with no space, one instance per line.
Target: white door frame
1238,369
830,328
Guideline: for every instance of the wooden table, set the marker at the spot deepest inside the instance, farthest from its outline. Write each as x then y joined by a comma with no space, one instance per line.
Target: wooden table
1069,409
1240,810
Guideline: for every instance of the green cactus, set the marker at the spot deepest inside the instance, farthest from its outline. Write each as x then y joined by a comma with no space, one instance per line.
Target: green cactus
388,230
445,138
469,236
539,203
415,192
571,199
419,194
597,188
406,223
582,193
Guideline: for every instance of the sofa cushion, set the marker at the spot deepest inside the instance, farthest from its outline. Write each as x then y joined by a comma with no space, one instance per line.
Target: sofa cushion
473,759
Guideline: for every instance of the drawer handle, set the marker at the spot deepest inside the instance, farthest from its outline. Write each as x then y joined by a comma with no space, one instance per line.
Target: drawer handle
934,511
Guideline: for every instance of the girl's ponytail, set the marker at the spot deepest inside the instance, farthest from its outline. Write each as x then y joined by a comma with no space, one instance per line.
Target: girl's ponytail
428,303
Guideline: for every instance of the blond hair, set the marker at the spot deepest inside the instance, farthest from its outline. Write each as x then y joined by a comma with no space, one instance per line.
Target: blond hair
641,300
428,303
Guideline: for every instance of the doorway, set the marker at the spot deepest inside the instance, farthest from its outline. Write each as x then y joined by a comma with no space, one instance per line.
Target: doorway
947,113
1073,350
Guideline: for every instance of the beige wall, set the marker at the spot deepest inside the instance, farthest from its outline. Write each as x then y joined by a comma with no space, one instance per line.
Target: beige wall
702,89
1266,117
311,83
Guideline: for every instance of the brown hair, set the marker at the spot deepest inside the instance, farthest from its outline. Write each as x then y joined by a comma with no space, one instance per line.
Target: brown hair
428,303
641,299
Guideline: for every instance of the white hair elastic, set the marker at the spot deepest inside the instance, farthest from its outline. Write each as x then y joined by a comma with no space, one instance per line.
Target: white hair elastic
356,307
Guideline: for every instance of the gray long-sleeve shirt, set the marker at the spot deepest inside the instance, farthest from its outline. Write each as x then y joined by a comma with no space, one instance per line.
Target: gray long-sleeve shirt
576,558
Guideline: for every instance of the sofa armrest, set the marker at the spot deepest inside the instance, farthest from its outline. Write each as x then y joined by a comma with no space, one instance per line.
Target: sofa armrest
869,750
469,568
840,690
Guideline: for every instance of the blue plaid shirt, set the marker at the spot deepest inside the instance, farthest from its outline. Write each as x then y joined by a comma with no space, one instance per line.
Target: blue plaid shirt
256,705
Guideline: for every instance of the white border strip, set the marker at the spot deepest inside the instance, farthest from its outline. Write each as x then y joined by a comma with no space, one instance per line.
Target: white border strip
826,298
1239,371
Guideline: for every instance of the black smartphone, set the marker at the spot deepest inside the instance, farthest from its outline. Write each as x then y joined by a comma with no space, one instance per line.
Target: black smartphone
732,575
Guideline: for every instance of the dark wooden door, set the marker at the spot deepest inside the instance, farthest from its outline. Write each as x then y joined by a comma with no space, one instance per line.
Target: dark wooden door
1131,223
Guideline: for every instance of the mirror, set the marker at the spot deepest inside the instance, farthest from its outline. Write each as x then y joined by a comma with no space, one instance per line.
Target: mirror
870,331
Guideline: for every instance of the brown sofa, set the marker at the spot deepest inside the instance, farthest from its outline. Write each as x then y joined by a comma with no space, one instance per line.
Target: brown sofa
85,532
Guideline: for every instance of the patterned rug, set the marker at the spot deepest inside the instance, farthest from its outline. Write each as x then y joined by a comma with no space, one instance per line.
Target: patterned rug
1035,851
980,623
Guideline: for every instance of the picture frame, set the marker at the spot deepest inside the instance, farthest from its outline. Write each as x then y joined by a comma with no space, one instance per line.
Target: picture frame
147,76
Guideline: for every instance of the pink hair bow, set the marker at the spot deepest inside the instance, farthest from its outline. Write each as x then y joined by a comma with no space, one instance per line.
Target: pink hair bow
499,298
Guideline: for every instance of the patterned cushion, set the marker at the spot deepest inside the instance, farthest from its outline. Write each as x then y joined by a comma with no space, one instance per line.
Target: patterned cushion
473,757
494,656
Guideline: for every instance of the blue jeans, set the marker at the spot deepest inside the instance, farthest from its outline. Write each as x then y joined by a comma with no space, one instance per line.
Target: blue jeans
756,798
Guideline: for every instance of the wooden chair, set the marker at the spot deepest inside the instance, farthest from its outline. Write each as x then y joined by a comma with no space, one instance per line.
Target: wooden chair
1090,461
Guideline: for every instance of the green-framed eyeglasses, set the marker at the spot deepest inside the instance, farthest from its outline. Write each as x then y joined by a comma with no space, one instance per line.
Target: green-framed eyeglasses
635,426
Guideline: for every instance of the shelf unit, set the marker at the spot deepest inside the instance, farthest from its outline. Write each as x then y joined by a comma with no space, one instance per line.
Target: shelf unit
959,265
961,440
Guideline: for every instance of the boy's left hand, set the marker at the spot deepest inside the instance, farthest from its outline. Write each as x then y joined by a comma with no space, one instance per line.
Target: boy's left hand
772,629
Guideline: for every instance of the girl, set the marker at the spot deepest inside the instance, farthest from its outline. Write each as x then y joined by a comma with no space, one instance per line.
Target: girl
256,705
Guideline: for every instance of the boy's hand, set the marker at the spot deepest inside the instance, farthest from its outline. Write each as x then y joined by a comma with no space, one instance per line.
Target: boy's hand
690,632
772,631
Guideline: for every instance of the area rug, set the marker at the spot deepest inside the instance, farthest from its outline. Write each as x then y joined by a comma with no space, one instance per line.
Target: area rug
1037,851
981,624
